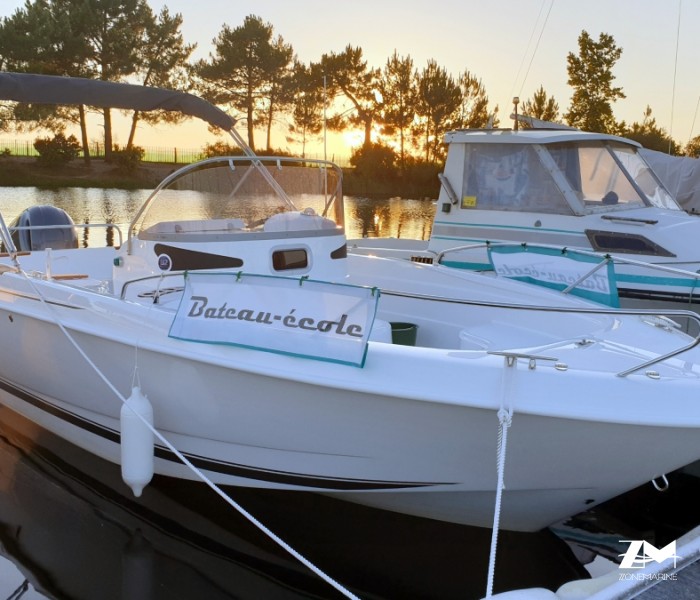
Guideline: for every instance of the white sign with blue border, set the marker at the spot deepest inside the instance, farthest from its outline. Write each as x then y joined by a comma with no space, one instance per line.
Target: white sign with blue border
558,269
298,317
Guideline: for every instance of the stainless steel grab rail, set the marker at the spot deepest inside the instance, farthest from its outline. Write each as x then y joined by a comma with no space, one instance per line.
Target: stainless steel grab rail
513,306
604,257
575,310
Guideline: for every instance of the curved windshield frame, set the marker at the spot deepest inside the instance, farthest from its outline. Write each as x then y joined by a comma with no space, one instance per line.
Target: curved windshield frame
235,196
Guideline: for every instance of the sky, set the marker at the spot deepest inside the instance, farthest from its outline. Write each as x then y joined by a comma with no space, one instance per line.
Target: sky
512,46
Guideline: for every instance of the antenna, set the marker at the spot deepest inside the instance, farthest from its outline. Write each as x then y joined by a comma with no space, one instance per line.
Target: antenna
325,151
325,103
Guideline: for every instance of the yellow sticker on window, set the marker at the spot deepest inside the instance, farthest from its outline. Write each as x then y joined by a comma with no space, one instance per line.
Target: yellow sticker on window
468,201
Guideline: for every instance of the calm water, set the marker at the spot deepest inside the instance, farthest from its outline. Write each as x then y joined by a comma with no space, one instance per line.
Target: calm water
76,532
71,530
393,217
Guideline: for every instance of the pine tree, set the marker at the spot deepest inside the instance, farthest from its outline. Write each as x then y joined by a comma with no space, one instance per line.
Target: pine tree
590,74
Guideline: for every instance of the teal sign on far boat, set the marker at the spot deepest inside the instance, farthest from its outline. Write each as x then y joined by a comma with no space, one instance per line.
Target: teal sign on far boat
587,276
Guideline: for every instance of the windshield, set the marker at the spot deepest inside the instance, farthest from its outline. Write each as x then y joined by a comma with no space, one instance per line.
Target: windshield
241,196
605,176
645,178
509,177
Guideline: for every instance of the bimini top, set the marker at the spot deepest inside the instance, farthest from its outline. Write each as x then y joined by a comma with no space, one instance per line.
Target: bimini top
531,136
52,89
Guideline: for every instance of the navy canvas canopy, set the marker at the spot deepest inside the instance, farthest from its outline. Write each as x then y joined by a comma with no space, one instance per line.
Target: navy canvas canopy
51,89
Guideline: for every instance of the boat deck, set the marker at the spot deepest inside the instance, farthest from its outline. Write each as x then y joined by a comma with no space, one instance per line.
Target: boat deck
663,581
685,587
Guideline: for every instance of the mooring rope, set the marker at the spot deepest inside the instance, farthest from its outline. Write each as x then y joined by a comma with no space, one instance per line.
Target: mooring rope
274,537
505,419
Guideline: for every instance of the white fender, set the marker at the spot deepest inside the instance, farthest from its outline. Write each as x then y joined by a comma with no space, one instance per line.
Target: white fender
136,441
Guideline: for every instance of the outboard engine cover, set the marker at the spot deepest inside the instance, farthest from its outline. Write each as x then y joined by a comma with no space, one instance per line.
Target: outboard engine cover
57,238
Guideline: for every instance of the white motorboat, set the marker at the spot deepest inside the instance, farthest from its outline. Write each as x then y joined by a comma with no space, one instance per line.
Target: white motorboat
262,353
564,189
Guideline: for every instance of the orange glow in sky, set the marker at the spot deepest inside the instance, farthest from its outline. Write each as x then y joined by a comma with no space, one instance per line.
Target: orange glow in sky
513,46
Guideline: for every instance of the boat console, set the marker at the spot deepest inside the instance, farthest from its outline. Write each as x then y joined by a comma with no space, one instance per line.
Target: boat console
232,213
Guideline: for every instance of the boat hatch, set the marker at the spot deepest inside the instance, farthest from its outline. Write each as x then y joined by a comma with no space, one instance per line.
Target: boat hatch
624,243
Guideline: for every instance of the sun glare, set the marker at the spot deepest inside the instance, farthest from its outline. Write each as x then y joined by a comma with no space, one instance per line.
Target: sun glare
353,138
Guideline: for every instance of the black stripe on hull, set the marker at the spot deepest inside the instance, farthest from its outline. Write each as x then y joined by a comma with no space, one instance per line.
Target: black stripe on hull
657,296
315,483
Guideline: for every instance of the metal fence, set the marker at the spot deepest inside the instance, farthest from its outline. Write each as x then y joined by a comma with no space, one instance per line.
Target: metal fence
17,148
14,147
152,154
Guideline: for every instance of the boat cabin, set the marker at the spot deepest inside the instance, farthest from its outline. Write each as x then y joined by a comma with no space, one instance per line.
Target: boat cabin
548,172
564,188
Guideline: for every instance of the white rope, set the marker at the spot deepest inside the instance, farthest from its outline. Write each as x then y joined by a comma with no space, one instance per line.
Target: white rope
532,58
527,49
505,419
675,70
182,458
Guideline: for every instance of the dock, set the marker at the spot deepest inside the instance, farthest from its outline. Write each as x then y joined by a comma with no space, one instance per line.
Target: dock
686,585
673,578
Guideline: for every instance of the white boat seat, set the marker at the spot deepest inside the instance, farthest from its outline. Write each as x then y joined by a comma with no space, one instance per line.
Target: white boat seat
298,221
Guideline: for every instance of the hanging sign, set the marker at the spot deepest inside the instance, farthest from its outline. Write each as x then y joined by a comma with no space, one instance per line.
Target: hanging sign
557,269
297,317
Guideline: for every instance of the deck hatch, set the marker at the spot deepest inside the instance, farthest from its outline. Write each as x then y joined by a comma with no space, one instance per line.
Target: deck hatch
624,243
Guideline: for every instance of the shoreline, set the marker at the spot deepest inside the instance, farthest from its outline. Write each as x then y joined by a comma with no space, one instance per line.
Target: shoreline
25,172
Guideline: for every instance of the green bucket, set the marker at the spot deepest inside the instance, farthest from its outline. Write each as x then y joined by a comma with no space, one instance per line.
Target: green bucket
404,333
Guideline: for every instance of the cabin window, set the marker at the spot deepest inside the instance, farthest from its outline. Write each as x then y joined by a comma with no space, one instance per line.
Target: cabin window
624,243
656,194
509,177
600,180
293,258
607,175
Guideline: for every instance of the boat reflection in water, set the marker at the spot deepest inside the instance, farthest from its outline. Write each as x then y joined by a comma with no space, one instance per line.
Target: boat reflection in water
76,532
402,218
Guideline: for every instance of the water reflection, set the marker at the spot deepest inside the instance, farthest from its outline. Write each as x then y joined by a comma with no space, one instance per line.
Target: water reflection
393,217
69,521
364,217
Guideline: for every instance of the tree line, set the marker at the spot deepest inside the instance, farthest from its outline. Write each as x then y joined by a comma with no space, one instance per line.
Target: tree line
255,73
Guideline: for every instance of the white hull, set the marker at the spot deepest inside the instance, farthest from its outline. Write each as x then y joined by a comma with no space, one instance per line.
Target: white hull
385,435
233,305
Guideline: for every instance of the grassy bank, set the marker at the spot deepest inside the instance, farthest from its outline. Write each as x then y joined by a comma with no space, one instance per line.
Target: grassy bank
20,172
26,172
